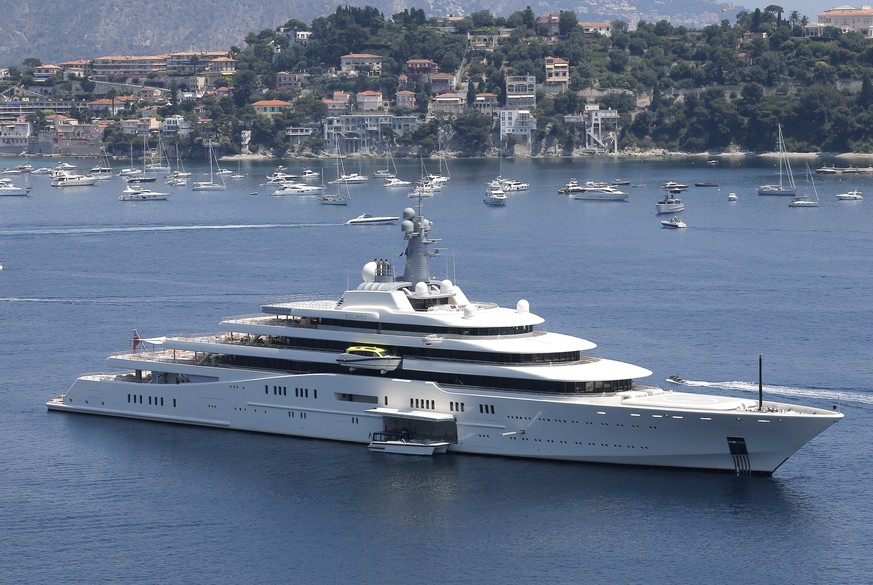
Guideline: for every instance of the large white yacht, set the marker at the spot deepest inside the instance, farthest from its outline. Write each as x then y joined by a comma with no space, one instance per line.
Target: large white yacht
483,378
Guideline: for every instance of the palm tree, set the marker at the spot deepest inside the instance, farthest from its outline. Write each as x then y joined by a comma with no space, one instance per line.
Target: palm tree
793,18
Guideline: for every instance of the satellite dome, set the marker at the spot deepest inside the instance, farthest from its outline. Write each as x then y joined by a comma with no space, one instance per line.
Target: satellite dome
408,213
368,272
522,306
406,226
421,288
446,286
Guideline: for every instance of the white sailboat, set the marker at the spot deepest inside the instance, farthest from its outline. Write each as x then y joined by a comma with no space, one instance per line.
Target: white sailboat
783,188
210,185
805,200
103,170
338,198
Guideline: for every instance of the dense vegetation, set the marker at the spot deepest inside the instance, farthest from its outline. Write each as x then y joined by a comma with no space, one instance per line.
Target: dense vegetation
678,89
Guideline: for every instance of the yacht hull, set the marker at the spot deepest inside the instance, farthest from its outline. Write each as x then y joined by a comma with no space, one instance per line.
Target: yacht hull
646,428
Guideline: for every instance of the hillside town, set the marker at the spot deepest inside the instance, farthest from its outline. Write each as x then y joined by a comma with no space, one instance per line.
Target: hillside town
366,101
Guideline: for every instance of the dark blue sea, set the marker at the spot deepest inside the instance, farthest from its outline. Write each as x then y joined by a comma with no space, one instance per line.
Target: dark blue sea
87,499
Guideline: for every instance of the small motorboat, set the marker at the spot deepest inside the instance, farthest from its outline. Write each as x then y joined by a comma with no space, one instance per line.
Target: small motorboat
733,196
369,358
367,219
675,379
673,223
403,444
705,184
850,196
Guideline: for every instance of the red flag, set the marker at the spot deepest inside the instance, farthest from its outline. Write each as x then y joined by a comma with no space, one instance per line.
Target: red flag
136,340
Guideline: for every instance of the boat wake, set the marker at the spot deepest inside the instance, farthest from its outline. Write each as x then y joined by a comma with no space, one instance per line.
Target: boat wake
160,228
825,394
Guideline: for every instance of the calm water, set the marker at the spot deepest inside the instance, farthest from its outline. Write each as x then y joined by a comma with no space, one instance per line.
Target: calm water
91,499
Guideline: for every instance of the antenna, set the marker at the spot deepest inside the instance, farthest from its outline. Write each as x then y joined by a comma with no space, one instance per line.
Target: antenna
760,384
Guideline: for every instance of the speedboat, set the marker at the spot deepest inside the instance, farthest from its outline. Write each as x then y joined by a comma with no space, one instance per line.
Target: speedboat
367,219
370,358
705,184
673,222
484,378
854,195
733,196
675,379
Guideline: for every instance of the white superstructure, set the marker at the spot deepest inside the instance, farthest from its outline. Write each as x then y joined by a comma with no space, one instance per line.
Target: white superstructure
486,379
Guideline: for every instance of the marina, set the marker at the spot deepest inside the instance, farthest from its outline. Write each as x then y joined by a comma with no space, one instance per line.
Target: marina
750,277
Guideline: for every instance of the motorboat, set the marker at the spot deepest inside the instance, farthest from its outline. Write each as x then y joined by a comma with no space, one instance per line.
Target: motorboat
673,186
309,174
367,219
370,358
571,186
509,185
67,179
786,185
670,204
142,178
733,196
484,378
299,189
494,194
402,444
333,199
705,184
675,379
142,194
713,162
598,192
827,170
8,188
673,223
350,179
395,182
853,195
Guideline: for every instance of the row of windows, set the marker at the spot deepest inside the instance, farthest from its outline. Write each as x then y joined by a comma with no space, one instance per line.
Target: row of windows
382,327
486,408
416,403
433,352
298,392
456,406
491,382
152,400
